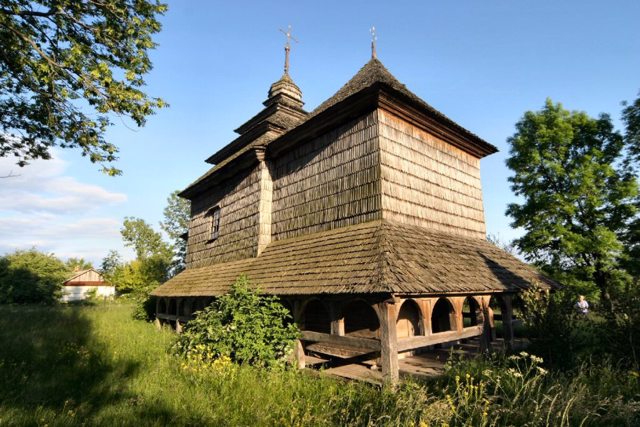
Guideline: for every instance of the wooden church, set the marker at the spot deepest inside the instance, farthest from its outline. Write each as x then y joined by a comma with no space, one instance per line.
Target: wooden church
364,215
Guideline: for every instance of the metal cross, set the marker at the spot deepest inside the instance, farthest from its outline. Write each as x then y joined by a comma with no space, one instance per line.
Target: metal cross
287,47
374,38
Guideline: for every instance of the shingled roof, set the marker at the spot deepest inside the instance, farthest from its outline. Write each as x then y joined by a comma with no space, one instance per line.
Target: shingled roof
373,257
374,72
371,74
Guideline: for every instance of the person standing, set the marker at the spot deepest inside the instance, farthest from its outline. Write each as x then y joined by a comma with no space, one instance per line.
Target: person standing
582,305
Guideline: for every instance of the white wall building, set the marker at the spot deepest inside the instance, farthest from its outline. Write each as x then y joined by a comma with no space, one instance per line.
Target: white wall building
85,283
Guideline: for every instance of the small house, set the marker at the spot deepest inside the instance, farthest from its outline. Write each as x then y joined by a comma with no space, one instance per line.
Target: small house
84,284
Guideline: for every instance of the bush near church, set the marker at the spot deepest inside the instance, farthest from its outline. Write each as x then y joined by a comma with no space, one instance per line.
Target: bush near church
243,325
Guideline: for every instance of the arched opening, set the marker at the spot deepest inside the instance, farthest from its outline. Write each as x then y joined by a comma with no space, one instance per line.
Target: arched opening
187,306
441,316
172,306
408,323
162,306
315,317
470,310
361,320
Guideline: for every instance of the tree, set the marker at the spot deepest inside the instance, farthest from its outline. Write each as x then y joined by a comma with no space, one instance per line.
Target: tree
110,263
631,119
139,277
139,235
28,277
177,214
577,195
66,67
76,264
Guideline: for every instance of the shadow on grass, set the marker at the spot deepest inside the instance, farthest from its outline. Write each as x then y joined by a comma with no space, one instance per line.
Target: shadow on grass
49,359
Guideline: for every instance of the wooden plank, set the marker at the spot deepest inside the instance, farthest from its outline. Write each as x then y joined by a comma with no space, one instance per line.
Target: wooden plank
441,337
353,342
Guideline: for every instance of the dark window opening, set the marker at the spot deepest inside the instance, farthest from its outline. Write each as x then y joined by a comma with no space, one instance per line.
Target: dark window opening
214,214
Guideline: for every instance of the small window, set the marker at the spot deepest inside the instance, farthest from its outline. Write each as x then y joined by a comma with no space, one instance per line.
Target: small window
214,217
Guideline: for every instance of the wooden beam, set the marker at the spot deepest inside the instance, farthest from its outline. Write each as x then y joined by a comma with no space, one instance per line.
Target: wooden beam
415,342
358,343
389,342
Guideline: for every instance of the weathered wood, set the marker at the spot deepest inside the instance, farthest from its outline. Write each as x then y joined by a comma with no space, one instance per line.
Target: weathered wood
300,356
358,343
412,343
428,182
264,203
388,341
507,320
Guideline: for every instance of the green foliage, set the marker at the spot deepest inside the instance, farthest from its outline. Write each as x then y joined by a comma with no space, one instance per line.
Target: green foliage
559,333
94,365
517,391
621,333
67,67
577,195
631,119
144,240
565,338
242,325
31,277
76,264
177,214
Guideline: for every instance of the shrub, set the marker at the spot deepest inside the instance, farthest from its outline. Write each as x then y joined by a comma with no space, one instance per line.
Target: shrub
243,325
28,277
558,333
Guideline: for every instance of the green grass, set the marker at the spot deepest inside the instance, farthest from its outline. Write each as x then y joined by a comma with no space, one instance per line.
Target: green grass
94,365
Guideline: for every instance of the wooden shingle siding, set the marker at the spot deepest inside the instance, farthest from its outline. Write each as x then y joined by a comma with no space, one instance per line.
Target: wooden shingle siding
328,182
428,182
238,200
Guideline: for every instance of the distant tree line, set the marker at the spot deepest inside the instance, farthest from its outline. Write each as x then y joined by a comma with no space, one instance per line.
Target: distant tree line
31,276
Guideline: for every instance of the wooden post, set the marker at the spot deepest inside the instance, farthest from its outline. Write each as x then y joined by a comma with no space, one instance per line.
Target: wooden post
507,321
388,342
485,338
157,321
426,306
178,326
455,318
337,321
300,358
297,306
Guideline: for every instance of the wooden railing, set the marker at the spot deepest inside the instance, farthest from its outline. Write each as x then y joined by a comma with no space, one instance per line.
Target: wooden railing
356,343
418,341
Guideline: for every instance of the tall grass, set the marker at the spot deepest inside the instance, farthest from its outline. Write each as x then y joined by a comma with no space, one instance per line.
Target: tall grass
96,366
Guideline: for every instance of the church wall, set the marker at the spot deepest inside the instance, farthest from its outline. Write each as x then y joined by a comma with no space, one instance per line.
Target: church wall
328,182
428,182
238,200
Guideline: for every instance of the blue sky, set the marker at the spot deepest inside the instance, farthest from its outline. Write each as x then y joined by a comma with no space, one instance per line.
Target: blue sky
483,64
